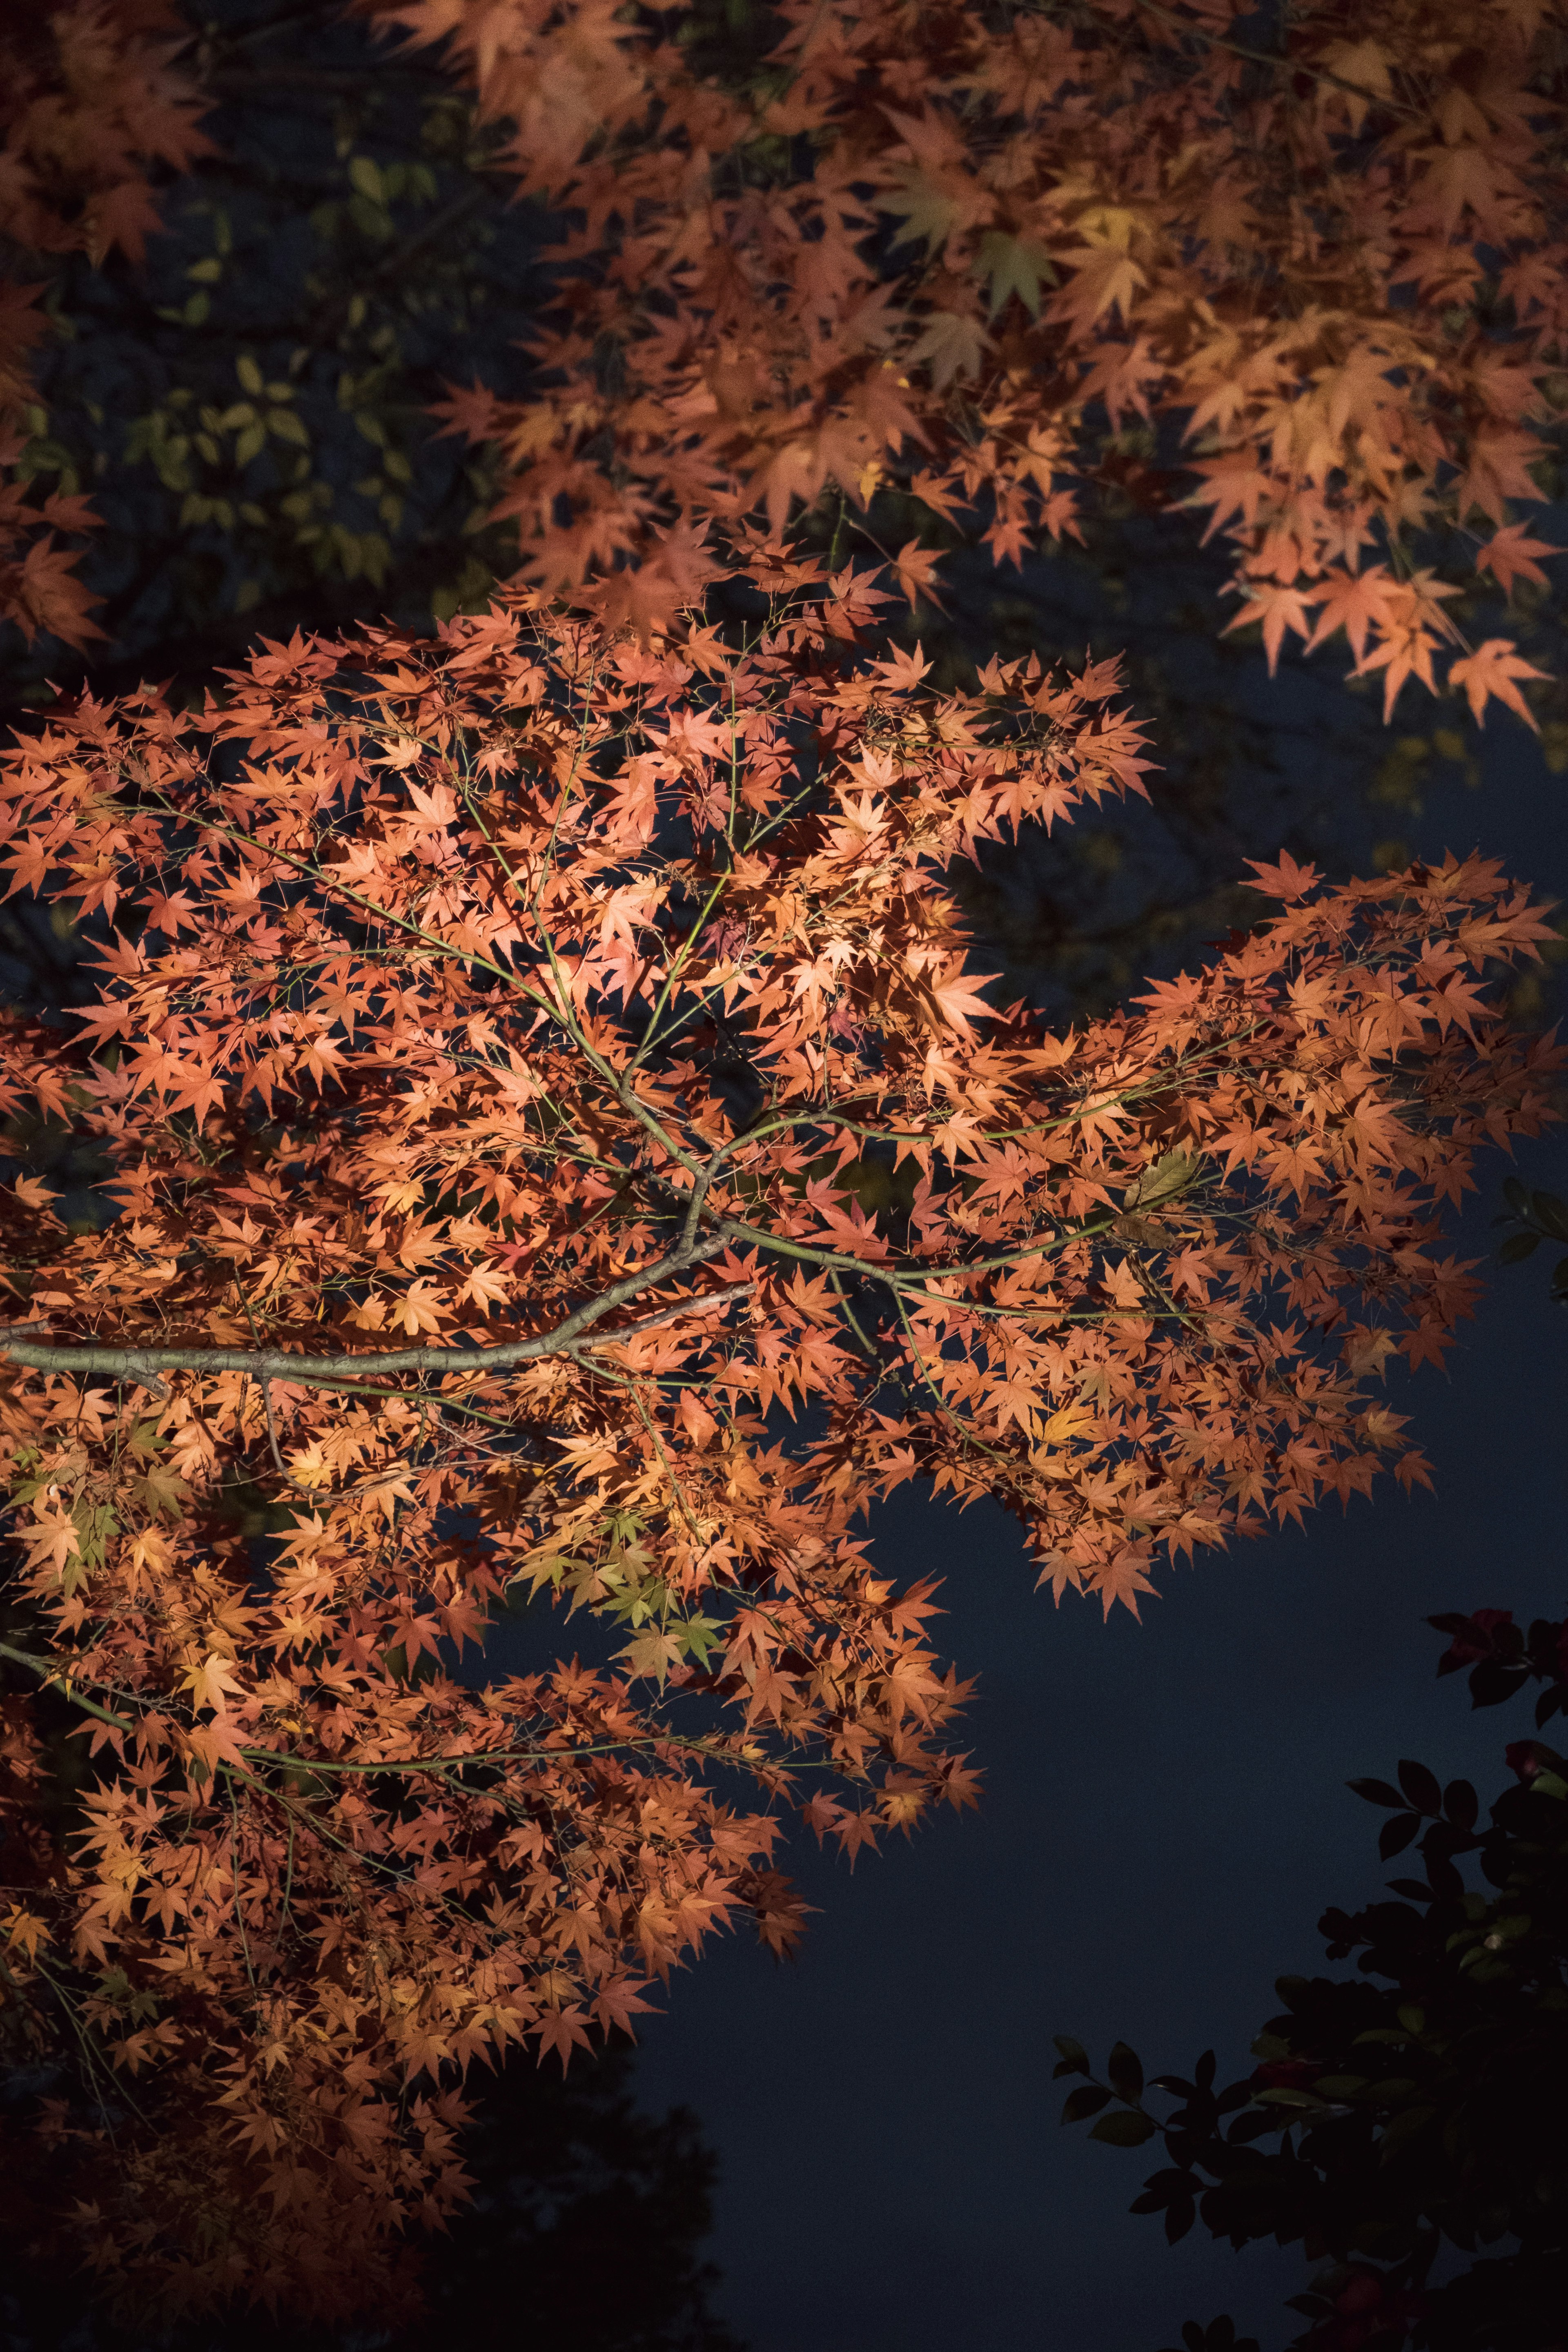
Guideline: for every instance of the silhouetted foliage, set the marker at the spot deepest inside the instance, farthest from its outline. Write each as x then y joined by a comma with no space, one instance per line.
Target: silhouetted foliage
1421,2113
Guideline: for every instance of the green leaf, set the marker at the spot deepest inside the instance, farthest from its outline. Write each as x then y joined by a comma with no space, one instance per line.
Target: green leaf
1518,1247
1125,2129
949,345
927,212
1462,1805
372,220
1075,2056
653,1654
1162,1180
1396,1833
250,443
1080,2104
163,1492
365,176
1008,265
247,372
697,1636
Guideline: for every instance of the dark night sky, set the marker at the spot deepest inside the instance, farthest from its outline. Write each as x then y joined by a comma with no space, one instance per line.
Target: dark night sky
1164,1820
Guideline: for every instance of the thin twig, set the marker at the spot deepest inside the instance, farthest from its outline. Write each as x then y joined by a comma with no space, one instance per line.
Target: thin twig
1275,58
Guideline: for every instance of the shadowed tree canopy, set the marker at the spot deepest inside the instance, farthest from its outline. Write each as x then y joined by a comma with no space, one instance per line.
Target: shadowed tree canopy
584,2221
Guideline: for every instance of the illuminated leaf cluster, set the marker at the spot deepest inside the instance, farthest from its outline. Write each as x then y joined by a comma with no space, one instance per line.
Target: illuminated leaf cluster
933,245
562,1148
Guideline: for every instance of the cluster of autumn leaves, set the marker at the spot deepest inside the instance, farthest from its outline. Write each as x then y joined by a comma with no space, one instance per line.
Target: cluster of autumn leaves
500,1041
934,247
562,1149
937,253
934,250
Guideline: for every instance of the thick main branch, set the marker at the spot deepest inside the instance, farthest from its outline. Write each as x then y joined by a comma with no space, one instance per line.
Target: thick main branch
146,1364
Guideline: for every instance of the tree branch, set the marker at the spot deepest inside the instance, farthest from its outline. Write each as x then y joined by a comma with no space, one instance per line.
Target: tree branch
1274,59
146,1365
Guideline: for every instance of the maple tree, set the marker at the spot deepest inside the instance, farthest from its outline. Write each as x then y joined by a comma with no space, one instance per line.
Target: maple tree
926,246
562,1149
586,2212
1418,2114
89,99
317,279
915,255
294,531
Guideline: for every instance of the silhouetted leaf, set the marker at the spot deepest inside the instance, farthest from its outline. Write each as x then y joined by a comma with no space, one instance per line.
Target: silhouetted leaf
1550,1214
1124,2128
1420,1787
1377,1792
1461,1804
1126,2074
1396,1834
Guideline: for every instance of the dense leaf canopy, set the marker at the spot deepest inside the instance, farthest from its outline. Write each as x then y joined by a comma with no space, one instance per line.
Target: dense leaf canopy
560,1147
